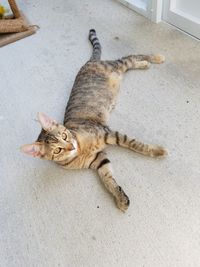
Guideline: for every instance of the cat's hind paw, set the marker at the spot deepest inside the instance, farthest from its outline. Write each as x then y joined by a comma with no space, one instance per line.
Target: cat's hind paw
157,59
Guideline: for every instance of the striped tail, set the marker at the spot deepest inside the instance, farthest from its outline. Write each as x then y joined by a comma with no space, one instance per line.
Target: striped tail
96,53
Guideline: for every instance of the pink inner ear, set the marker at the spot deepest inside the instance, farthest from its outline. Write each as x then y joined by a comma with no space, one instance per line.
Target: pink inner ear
32,150
46,122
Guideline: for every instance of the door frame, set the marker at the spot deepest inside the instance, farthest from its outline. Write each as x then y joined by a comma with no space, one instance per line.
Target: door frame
153,10
165,10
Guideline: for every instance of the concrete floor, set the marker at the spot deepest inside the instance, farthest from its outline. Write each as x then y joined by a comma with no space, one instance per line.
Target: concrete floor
53,217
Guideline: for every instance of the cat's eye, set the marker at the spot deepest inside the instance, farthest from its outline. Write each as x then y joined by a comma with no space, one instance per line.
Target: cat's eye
64,136
57,150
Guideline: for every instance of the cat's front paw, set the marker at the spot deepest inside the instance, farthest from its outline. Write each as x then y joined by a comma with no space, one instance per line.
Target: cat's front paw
122,200
158,152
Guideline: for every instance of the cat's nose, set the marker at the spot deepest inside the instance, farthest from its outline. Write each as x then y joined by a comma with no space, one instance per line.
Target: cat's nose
70,147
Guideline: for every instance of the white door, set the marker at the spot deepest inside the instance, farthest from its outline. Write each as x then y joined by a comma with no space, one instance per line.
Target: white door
140,6
184,14
151,9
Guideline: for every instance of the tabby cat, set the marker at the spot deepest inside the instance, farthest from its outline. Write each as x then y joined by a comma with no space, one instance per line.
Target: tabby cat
81,140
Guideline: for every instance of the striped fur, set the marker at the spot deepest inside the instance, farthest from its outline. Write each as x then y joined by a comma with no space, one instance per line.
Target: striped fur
81,140
96,53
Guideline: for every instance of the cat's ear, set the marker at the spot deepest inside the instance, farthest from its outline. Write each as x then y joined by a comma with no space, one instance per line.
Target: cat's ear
32,149
46,122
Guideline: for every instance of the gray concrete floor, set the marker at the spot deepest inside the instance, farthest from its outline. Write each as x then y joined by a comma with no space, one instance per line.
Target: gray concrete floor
53,217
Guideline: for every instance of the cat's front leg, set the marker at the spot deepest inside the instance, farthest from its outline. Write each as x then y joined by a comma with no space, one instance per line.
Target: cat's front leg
102,165
116,138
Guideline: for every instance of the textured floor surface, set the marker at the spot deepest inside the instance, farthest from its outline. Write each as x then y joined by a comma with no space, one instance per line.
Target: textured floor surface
53,217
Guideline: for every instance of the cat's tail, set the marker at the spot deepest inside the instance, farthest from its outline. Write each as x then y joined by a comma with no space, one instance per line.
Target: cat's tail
96,53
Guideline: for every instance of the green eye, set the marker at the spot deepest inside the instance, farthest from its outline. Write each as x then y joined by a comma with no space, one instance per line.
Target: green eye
57,150
64,136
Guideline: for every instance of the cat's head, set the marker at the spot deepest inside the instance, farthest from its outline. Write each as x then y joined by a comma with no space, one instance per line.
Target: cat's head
55,142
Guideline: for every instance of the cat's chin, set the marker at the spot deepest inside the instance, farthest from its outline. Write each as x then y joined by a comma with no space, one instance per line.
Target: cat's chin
72,153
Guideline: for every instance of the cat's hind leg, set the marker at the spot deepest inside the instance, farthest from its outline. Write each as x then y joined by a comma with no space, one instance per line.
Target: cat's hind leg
102,165
155,59
115,138
136,62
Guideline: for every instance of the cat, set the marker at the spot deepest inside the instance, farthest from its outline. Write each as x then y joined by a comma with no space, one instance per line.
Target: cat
81,140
